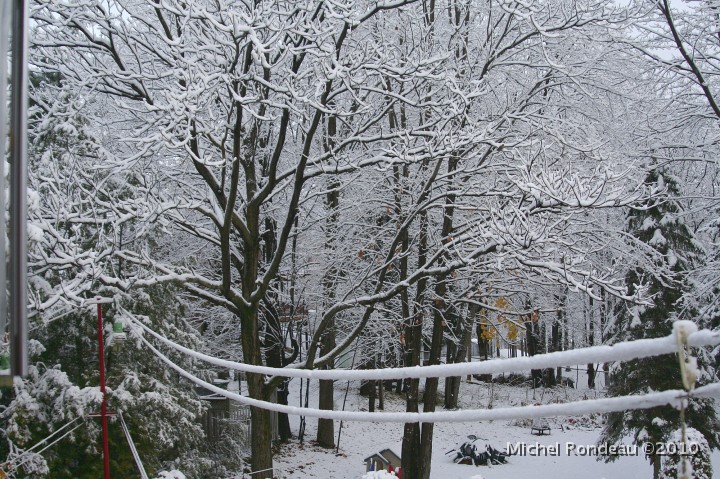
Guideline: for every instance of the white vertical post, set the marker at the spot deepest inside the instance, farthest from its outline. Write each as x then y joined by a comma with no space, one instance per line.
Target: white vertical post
18,191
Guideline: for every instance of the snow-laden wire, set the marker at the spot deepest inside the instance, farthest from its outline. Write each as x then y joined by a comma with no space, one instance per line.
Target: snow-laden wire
625,351
15,466
577,408
133,449
52,434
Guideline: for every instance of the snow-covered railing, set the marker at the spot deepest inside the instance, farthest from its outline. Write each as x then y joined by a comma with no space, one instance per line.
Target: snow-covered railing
685,333
625,351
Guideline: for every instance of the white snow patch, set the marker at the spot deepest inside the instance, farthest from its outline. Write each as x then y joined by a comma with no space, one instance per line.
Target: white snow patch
33,200
174,474
657,239
667,219
648,223
659,422
379,475
34,234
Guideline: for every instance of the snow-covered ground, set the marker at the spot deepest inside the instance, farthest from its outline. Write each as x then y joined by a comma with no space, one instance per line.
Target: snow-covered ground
360,440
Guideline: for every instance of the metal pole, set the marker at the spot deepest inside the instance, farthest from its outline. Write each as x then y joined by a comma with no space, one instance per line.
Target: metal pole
18,192
4,32
103,410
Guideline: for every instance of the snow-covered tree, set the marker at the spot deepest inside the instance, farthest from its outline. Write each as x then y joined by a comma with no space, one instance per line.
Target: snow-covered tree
682,42
696,450
435,150
218,129
659,226
72,234
162,413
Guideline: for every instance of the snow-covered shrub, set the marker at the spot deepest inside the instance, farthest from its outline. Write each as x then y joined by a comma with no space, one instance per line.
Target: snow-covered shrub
174,474
700,465
521,422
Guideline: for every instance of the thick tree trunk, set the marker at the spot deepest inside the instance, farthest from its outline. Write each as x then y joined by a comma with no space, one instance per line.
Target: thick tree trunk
381,395
591,375
411,433
548,374
591,342
326,427
284,430
260,442
452,385
451,350
411,457
483,346
557,333
431,386
606,374
440,319
275,358
261,433
656,463
532,333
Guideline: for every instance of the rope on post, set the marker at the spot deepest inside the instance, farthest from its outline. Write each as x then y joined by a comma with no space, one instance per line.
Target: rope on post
688,376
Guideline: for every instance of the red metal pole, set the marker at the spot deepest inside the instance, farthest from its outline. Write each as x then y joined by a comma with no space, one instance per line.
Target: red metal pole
103,411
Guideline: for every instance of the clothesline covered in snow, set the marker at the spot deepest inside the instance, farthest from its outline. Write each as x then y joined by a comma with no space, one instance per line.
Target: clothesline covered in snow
625,351
672,397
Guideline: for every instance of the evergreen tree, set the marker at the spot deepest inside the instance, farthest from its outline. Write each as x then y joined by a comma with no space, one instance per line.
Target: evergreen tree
670,243
698,451
161,410
72,227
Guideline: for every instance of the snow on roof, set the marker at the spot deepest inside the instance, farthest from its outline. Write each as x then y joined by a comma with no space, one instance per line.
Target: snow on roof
381,455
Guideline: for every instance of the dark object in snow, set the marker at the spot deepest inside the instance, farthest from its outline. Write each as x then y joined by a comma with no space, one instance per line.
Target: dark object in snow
540,426
482,459
215,415
495,456
568,382
468,454
385,460
512,379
